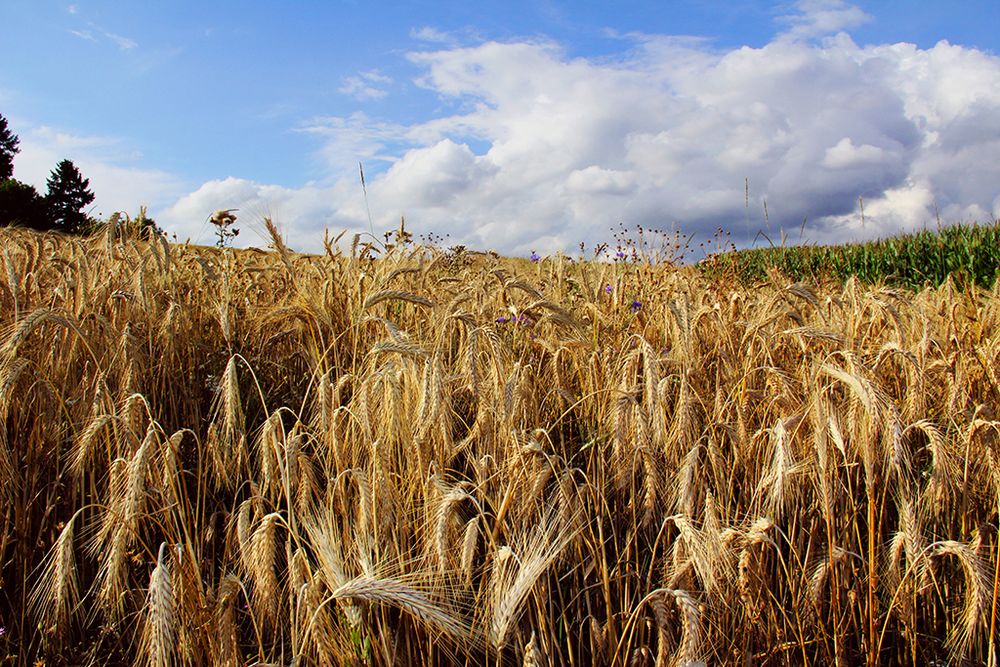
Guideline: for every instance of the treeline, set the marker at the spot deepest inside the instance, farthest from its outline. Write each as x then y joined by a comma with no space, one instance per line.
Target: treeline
61,208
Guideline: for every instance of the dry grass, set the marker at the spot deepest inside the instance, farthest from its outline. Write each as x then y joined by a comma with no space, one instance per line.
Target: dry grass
454,458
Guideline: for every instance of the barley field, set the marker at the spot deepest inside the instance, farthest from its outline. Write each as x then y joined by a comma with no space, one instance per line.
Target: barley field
221,457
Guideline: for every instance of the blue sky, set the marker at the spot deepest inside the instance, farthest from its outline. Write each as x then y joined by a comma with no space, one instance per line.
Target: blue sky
515,126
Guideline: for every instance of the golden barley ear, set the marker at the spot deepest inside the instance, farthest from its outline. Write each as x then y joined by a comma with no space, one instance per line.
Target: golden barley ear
407,598
279,244
470,542
972,622
263,568
395,295
444,517
533,655
83,448
159,638
225,645
19,333
55,597
515,572
112,580
226,439
666,602
751,575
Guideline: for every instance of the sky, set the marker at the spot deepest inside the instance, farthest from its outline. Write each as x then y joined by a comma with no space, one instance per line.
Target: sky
517,126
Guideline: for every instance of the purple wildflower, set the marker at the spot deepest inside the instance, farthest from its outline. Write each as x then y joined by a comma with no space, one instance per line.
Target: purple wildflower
608,289
501,320
636,305
620,254
534,256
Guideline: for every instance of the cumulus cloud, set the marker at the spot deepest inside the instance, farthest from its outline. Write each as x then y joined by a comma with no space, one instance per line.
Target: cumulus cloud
845,155
434,177
534,149
594,180
302,214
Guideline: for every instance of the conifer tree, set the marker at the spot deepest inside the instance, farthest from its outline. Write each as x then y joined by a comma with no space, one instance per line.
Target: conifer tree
68,194
8,149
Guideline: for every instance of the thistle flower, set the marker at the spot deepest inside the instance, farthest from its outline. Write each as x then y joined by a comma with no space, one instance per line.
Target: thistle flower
223,219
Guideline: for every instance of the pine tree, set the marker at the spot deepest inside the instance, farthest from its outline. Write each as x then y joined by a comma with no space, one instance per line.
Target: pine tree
8,149
68,195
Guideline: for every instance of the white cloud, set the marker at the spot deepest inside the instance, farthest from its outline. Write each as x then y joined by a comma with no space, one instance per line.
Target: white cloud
93,32
846,155
117,183
303,212
594,180
123,43
430,34
539,150
346,140
366,86
815,18
84,34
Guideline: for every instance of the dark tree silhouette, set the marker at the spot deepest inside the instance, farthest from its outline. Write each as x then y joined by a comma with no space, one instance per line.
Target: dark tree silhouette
20,204
8,149
68,195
